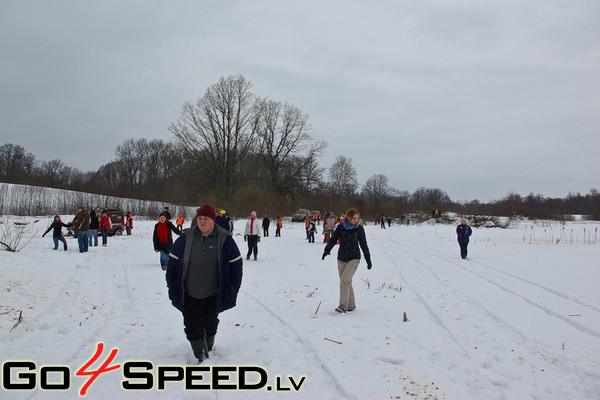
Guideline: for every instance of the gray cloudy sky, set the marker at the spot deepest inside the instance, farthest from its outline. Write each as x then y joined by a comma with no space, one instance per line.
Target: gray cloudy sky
477,98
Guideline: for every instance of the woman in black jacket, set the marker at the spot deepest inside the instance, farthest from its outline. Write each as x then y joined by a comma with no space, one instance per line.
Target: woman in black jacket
57,235
162,238
352,236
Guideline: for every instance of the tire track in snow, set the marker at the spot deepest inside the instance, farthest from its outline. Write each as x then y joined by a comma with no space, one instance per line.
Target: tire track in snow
306,344
475,303
537,285
425,304
581,327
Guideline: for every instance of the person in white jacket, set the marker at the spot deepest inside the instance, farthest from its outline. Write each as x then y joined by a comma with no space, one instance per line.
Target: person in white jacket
252,235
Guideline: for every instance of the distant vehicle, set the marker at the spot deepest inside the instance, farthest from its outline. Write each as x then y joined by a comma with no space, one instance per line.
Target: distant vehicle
300,215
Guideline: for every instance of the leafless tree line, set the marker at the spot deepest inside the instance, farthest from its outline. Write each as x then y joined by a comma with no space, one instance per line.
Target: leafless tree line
239,151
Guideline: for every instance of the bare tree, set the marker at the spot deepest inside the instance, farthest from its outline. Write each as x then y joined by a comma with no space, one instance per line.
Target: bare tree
377,189
54,173
342,177
428,199
218,131
130,161
15,163
285,146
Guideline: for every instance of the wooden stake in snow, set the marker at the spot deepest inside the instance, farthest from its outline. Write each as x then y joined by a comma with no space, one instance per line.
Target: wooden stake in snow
334,341
404,318
317,310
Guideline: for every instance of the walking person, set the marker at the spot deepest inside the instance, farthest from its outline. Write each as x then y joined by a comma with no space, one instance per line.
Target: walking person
463,232
204,275
328,226
180,222
279,225
57,235
351,235
312,228
265,225
81,222
128,223
93,232
163,239
105,227
252,236
225,222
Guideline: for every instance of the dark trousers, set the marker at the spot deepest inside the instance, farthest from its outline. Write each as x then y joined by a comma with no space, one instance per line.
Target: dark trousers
252,246
463,249
277,232
104,233
265,232
311,236
200,317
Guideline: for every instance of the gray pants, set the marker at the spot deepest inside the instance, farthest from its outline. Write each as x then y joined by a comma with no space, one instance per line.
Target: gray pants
347,269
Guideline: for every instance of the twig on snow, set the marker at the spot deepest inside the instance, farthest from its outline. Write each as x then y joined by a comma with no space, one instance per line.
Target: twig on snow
18,321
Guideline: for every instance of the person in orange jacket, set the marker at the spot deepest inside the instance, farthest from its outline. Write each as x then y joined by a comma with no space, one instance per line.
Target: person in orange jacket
128,223
180,222
278,224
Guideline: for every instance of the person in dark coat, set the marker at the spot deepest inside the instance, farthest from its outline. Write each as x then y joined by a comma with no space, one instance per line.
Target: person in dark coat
352,235
93,232
265,225
226,222
57,235
204,275
162,238
463,232
81,223
312,228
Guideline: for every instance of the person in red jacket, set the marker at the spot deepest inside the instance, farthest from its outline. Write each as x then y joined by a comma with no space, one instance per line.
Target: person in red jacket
162,238
105,227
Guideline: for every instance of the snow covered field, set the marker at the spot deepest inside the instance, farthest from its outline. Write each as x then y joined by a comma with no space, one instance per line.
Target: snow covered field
519,319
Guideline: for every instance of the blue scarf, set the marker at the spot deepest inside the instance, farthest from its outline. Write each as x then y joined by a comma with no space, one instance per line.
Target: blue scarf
348,225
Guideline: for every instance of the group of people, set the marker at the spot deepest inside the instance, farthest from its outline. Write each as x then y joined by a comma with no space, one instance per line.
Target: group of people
204,268
87,227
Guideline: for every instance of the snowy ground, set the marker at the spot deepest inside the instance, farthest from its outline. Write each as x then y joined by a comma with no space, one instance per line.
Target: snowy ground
520,319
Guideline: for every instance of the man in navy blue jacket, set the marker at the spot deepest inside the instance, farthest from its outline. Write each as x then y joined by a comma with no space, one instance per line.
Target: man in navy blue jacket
463,231
204,275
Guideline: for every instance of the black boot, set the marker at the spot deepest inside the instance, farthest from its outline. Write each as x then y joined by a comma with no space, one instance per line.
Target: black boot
199,349
210,342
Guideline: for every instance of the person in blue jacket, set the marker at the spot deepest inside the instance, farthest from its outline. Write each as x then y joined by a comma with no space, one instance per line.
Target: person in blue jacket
463,231
204,275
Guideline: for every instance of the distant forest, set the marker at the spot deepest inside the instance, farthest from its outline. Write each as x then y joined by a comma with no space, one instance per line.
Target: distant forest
156,170
240,152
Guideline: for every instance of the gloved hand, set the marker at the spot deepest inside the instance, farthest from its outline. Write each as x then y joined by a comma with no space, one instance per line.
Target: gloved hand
325,254
44,235
258,240
245,238
369,265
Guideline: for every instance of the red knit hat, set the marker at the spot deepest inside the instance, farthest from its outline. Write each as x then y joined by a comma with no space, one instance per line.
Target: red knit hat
207,211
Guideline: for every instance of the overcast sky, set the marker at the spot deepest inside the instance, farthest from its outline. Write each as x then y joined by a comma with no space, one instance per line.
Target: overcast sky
477,98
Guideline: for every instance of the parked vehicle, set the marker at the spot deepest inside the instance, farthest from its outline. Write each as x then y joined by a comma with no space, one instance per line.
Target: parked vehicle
117,217
300,215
